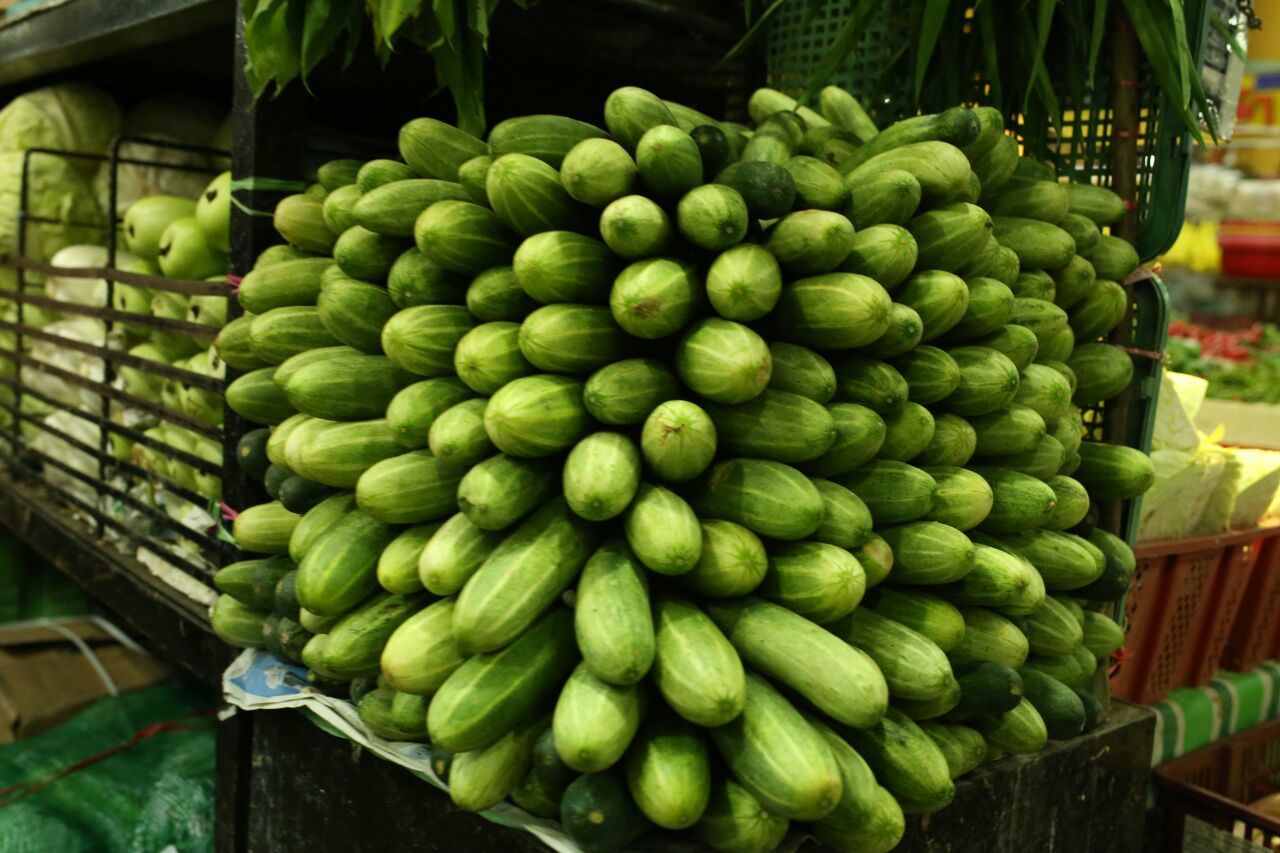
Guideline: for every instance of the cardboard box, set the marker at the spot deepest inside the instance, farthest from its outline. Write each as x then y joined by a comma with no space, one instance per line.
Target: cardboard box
45,678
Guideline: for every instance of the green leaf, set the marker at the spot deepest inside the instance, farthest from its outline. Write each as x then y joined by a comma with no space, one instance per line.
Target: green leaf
323,22
1044,22
1182,48
446,12
1228,35
935,15
752,33
1155,37
1098,28
355,33
985,17
392,15
478,14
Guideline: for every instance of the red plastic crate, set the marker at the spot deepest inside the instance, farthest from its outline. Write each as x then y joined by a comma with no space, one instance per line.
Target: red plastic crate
1179,612
1255,634
1250,249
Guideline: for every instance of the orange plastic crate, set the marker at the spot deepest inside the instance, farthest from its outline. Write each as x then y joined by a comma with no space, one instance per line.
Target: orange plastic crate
1180,611
1255,634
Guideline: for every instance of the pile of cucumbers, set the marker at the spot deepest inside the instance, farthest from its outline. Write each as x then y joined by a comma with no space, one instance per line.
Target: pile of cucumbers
678,475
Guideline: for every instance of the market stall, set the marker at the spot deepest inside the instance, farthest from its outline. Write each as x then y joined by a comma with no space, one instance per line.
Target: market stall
574,410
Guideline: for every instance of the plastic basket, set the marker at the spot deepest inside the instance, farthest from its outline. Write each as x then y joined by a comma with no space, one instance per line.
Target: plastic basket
1162,142
1255,634
1206,794
1180,610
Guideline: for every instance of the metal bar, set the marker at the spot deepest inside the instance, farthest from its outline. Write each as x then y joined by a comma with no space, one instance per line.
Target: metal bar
145,365
71,34
198,462
194,424
49,220
105,457
175,145
152,282
104,488
196,330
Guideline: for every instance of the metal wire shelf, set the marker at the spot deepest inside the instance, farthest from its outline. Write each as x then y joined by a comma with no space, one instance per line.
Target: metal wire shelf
153,501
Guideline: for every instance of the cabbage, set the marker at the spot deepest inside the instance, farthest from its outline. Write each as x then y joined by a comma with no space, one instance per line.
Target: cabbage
70,117
168,119
56,448
55,191
91,291
1180,398
1257,487
1184,486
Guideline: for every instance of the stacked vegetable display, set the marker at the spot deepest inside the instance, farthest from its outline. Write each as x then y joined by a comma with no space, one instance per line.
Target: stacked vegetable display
598,455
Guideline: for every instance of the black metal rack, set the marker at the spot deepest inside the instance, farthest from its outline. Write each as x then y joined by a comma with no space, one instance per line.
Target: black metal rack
113,479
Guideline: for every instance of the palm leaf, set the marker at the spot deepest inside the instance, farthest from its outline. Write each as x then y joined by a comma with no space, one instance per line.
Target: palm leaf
1099,26
392,15
1044,22
985,17
934,15
753,33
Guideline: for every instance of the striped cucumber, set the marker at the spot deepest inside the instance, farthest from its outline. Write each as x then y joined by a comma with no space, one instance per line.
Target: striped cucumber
612,618
523,577
669,771
913,665
782,645
422,653
495,692
695,668
454,553
594,721
804,786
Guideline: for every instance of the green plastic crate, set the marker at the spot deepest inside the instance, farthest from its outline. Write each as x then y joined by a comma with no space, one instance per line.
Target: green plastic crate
797,42
1130,419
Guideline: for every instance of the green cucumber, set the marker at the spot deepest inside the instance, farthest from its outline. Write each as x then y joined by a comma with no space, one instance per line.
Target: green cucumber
914,667
594,721
733,561
868,819
422,653
458,436
678,440
906,761
356,641
735,821
481,778
807,785
821,582
398,563
662,530
986,687
695,668
453,553
627,391
922,612
669,771
601,475
783,645
598,813
612,618
502,489
523,577
493,693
